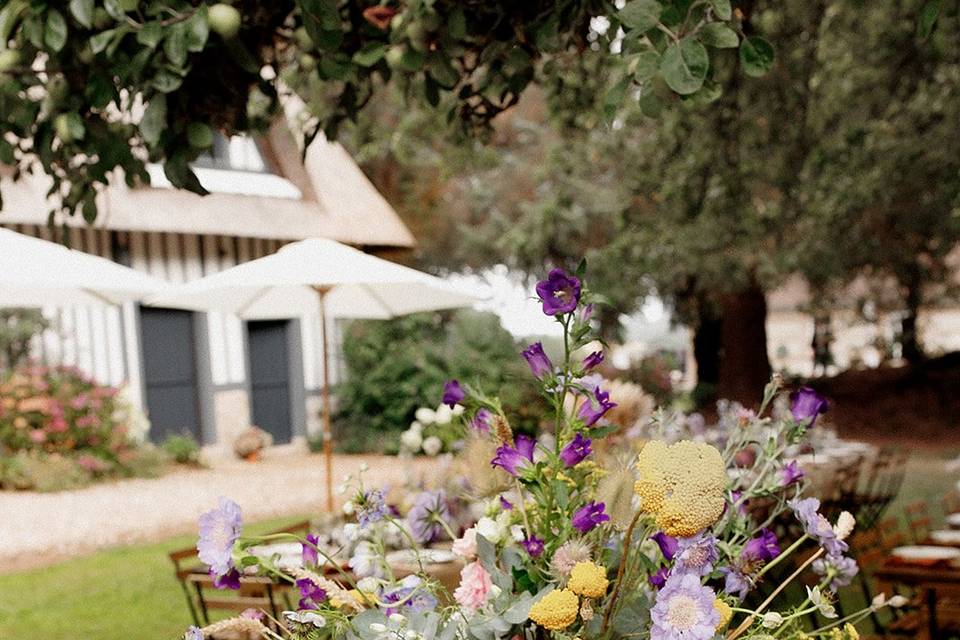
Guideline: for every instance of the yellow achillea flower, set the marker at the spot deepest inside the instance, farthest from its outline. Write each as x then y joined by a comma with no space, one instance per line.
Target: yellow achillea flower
726,613
556,610
588,579
682,485
849,632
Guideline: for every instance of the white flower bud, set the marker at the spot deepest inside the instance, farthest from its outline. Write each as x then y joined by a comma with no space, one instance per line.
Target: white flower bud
376,627
399,618
844,526
458,409
878,601
349,508
516,532
772,620
897,601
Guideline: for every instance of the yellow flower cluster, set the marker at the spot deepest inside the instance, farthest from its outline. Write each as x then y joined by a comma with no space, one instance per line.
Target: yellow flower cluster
682,485
849,632
588,580
726,613
556,610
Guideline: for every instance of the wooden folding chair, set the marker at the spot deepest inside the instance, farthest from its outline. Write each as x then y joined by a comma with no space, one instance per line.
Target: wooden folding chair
185,563
919,522
256,592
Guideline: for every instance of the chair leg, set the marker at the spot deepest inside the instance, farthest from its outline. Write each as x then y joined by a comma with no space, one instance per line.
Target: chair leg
193,609
203,603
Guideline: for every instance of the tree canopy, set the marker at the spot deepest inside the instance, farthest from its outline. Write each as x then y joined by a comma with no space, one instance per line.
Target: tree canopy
90,86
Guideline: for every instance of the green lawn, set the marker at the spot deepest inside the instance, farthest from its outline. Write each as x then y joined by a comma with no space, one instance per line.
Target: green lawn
128,593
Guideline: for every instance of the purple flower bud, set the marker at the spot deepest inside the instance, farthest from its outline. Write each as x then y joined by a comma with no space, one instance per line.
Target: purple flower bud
515,459
228,580
806,404
790,474
534,546
540,365
595,406
576,450
763,548
659,579
482,420
308,555
592,360
505,504
453,393
589,516
310,594
559,293
586,313
667,544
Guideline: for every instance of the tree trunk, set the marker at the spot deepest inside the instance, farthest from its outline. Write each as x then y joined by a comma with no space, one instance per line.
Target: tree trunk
706,351
744,364
909,340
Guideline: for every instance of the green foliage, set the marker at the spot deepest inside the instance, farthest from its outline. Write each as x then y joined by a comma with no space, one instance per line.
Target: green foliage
39,472
183,449
395,367
87,87
17,328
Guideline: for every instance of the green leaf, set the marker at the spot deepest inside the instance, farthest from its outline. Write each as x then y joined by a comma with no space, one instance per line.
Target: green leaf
684,66
6,152
443,72
719,35
90,208
55,30
178,172
756,56
486,554
197,32
641,15
644,66
154,120
82,11
100,41
650,104
722,9
150,35
370,54
615,96
166,81
322,21
928,18
175,45
199,135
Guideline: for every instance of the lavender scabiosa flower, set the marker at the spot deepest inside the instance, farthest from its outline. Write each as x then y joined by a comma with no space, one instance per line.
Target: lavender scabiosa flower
308,552
560,292
410,596
593,360
370,507
537,360
365,561
589,516
790,474
219,530
817,526
684,610
576,450
533,546
762,548
311,595
841,570
806,404
668,544
453,393
696,554
193,633
515,459
595,406
428,509
736,582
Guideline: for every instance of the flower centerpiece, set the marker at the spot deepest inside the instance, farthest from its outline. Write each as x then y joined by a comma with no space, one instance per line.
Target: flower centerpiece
434,431
668,547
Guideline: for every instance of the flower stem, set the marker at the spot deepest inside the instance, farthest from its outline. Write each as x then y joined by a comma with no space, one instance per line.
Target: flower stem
787,552
620,571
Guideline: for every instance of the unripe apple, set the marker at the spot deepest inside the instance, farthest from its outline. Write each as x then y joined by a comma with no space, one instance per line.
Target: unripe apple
9,59
224,20
61,126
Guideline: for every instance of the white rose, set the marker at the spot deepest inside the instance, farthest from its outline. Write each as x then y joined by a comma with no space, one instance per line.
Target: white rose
516,532
425,415
352,531
443,414
416,426
411,440
432,445
489,529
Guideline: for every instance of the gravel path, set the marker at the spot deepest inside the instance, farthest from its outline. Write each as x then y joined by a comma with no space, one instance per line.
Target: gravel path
37,529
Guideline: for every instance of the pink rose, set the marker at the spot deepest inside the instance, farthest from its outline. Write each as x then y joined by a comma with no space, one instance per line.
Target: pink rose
466,547
475,585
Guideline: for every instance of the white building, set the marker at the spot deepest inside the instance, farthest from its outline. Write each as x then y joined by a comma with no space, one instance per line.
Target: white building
211,375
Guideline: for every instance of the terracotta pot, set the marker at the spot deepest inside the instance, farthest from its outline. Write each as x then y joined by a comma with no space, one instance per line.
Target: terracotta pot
253,456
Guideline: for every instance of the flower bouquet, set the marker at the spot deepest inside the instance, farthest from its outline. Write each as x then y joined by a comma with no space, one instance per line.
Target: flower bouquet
671,546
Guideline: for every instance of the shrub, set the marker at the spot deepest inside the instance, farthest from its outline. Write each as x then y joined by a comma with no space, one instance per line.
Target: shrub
40,472
17,328
183,449
396,366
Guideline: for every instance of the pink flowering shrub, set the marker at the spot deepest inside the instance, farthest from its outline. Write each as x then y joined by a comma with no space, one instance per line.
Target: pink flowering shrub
48,411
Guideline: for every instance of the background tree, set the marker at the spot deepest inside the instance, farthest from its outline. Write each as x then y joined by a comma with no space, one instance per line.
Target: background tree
90,86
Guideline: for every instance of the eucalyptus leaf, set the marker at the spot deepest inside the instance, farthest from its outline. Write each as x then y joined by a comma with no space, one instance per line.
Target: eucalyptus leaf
756,56
640,15
486,554
719,35
684,66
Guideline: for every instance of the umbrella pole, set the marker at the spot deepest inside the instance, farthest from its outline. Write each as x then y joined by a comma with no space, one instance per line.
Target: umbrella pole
327,431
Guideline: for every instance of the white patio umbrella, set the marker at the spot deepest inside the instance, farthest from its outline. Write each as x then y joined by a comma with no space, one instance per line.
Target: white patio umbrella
35,273
342,281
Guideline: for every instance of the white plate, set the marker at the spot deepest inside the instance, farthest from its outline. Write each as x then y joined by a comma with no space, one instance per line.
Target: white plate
947,536
924,553
428,556
954,520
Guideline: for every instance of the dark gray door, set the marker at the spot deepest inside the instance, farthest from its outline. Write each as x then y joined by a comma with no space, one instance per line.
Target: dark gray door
170,372
270,390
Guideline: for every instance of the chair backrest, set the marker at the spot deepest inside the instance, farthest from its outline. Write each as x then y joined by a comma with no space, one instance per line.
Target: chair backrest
891,535
255,592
